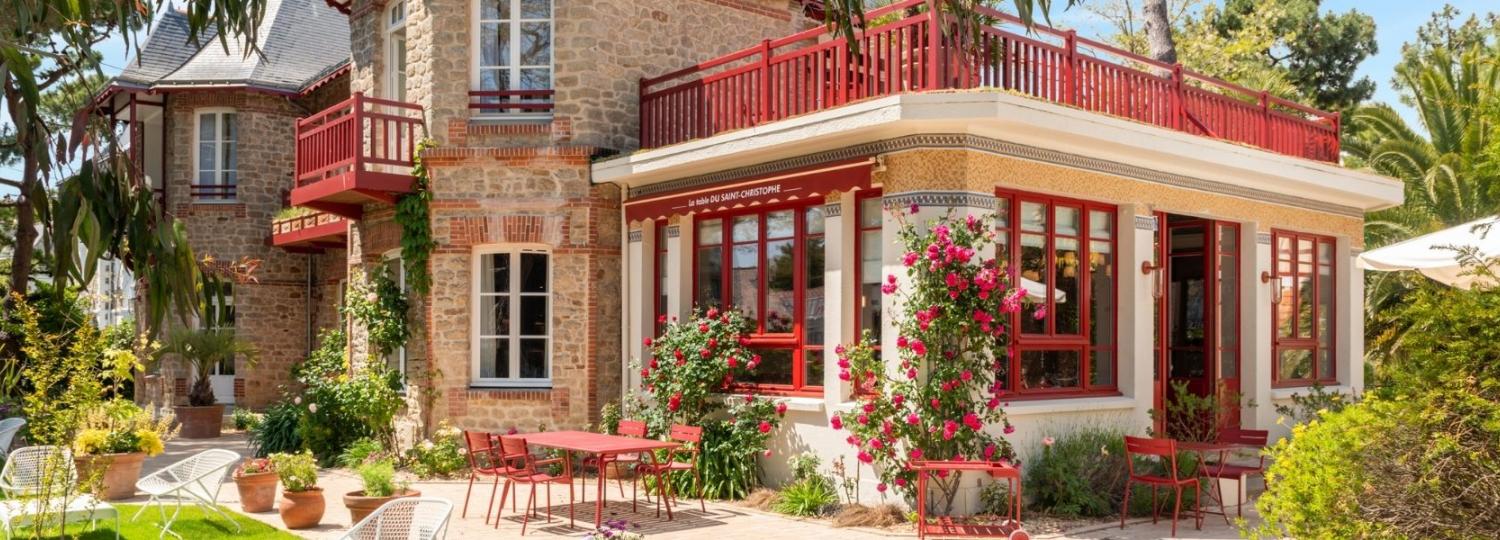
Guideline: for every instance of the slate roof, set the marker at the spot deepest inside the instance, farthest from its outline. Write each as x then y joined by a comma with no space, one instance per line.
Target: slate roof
301,41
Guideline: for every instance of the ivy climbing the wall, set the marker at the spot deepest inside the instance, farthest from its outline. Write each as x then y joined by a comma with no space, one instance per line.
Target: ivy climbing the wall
416,228
376,302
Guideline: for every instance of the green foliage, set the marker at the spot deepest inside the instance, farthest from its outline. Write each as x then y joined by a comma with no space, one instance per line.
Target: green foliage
245,419
59,314
378,303
1318,402
337,407
1191,417
60,369
1083,474
120,426
278,430
812,496
298,472
995,499
804,466
1319,52
412,214
955,306
729,450
193,522
362,451
609,417
442,456
379,478
202,348
691,362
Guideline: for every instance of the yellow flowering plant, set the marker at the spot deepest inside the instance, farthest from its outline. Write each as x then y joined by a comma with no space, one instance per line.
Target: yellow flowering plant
121,427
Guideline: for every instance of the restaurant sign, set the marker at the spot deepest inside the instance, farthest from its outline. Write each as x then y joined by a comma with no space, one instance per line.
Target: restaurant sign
739,194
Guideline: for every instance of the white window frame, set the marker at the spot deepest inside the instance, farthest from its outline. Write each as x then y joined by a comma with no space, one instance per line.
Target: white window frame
476,56
219,170
400,279
395,80
475,318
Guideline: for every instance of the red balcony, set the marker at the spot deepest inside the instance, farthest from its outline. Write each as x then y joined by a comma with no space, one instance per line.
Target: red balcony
357,152
814,70
313,232
510,101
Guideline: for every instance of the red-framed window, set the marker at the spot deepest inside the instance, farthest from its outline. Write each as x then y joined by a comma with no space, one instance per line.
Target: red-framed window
869,217
1062,252
1303,316
660,315
767,262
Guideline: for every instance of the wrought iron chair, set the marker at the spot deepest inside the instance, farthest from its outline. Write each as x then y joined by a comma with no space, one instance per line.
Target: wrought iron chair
31,480
682,458
9,427
627,428
1223,470
524,470
1166,452
407,518
484,461
196,479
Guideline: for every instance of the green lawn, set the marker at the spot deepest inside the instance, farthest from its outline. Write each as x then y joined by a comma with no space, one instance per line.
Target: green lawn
192,525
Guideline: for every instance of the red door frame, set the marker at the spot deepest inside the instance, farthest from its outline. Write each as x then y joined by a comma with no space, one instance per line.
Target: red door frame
1211,251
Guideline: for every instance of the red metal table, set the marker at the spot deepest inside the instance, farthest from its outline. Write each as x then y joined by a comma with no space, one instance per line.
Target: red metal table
947,527
600,445
1201,451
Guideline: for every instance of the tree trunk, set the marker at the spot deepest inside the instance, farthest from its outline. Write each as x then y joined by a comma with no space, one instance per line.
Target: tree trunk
20,263
1159,31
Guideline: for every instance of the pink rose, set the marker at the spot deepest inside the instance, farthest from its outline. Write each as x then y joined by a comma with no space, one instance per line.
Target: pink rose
880,487
837,422
1048,441
732,362
765,427
781,408
647,342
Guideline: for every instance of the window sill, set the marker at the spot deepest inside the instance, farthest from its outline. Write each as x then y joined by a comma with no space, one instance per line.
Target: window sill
1286,392
510,118
1037,406
793,403
502,388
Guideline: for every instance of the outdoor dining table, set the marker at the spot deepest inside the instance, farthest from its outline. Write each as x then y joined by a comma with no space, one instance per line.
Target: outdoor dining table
1201,451
601,445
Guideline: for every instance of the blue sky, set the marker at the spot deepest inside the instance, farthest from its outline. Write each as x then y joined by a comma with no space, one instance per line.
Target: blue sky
1396,21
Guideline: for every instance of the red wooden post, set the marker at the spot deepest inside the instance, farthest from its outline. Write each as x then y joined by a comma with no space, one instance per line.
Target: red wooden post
1265,119
1338,120
359,137
765,82
934,42
1070,69
1178,107
644,115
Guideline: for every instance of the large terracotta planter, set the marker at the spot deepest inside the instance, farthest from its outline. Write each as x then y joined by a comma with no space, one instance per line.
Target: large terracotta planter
257,491
204,422
301,509
117,473
361,506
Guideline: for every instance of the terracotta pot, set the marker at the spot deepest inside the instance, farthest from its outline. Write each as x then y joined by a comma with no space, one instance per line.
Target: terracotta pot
118,475
361,506
204,422
257,491
301,509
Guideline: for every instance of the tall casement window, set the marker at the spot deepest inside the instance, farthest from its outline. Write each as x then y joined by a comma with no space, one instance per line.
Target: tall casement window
215,155
396,360
768,264
219,315
513,57
1303,314
867,276
513,319
662,286
395,51
1062,253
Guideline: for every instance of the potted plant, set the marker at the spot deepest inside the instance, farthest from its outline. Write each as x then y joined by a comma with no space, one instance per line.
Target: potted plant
256,481
380,487
203,417
301,504
114,441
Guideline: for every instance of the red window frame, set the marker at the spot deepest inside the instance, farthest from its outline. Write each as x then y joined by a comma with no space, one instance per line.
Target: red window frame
1050,339
758,338
1286,269
857,311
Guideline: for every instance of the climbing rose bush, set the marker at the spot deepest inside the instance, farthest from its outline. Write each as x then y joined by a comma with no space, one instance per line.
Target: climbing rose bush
953,339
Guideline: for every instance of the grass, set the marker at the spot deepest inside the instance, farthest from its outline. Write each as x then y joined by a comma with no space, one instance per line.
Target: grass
192,524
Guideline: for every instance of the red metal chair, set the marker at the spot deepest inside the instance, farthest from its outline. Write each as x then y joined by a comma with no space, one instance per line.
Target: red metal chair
627,428
524,470
1223,470
1166,452
682,458
484,460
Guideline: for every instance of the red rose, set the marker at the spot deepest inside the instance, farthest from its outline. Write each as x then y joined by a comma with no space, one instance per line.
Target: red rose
765,427
781,408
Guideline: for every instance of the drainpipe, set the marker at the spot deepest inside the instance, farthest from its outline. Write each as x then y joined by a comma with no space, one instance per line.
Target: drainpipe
309,308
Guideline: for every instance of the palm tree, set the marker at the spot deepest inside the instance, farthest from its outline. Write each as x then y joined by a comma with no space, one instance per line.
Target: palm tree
1451,173
202,348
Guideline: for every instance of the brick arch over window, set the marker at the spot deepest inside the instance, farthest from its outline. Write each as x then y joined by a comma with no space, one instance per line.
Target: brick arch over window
472,231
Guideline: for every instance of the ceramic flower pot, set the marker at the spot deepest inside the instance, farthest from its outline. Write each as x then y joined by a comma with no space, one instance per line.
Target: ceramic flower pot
361,506
204,422
257,491
117,473
301,509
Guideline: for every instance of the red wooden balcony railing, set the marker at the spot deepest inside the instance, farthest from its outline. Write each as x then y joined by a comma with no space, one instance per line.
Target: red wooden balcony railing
815,70
356,134
509,101
311,232
212,192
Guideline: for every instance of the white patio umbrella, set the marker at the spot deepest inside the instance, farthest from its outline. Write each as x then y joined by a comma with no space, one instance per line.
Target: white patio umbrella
1038,291
1436,255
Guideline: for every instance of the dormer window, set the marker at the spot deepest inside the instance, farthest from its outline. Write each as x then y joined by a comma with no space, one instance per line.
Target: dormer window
512,58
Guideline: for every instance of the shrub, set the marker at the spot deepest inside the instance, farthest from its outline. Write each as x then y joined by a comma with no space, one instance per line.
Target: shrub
339,408
811,496
362,451
376,301
441,456
278,430
804,466
119,426
379,478
609,417
1188,414
298,472
253,466
1083,474
1318,402
245,419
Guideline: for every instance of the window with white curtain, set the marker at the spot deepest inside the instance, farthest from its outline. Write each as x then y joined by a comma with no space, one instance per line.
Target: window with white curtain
512,323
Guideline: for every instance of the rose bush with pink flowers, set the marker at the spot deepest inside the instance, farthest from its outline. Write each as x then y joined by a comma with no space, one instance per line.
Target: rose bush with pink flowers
687,380
952,342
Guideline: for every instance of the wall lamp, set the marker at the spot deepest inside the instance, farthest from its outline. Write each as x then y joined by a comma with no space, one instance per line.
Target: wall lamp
1275,283
1147,268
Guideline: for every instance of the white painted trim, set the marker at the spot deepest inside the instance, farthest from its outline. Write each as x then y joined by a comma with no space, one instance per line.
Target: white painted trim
474,317
1070,405
475,56
400,279
1016,119
219,170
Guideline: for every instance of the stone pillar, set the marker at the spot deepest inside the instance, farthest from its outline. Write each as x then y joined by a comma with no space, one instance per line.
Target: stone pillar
839,269
1136,241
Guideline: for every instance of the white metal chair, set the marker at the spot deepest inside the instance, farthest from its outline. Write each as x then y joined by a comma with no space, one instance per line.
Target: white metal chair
9,427
196,479
40,485
407,518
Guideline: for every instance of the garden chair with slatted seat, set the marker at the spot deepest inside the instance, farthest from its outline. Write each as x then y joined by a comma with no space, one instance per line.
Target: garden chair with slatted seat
483,452
43,481
406,518
682,458
1224,470
627,428
196,480
526,470
1165,450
